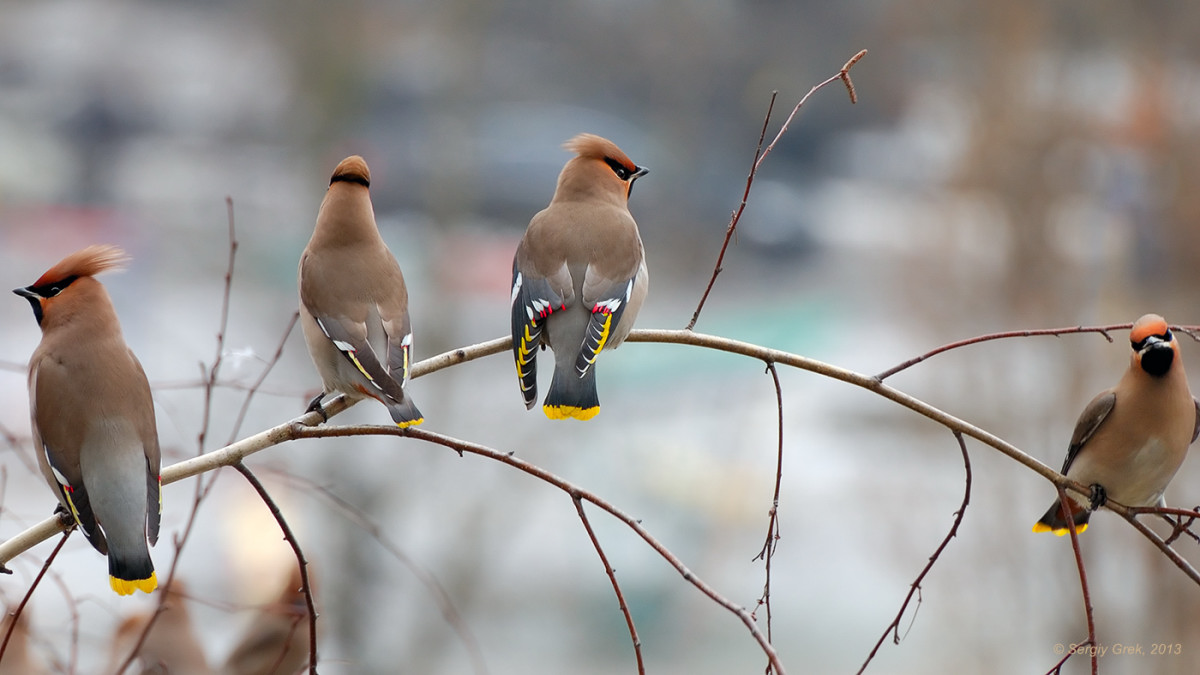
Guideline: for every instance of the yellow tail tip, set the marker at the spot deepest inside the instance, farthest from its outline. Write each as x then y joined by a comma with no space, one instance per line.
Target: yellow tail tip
567,412
1040,527
410,423
127,587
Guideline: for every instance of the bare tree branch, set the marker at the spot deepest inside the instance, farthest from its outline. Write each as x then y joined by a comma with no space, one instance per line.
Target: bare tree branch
612,575
300,560
915,587
1087,596
759,155
1103,330
767,553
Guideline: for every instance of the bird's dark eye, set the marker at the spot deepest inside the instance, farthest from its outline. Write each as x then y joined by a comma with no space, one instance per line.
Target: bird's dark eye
618,168
53,289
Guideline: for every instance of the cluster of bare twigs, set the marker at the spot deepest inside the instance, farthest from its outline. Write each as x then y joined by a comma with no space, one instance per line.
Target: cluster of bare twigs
311,425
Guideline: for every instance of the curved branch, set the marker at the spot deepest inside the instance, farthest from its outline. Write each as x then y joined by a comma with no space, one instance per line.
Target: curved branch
612,576
288,431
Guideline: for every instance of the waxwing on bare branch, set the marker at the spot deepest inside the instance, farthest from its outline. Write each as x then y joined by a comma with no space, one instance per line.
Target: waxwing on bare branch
579,277
353,301
1132,438
93,417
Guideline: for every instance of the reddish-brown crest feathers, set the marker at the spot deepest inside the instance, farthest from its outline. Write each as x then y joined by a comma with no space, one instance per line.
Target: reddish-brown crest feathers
1150,324
353,169
85,263
596,147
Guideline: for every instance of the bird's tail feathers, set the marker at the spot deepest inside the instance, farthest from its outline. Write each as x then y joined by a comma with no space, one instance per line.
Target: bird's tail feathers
1055,519
572,396
127,575
404,413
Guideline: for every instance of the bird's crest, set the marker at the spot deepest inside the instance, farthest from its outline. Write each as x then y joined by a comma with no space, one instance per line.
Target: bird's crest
353,169
85,263
1150,324
597,147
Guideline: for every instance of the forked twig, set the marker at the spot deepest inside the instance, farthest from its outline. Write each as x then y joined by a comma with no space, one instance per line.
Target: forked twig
767,553
915,587
759,155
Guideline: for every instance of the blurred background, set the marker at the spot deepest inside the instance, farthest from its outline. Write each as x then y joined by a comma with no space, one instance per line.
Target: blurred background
1008,166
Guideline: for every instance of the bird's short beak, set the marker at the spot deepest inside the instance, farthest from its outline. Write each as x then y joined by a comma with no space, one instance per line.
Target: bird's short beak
25,293
1152,342
642,171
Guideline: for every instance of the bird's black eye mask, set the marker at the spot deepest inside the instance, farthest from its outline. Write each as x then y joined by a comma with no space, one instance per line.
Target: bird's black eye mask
36,294
623,172
1141,344
52,289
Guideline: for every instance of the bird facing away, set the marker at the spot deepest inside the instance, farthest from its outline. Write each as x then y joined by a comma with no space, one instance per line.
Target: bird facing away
170,648
1132,438
353,301
93,417
579,277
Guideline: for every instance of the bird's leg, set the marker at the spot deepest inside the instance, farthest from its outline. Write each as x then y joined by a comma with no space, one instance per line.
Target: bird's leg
315,406
1099,496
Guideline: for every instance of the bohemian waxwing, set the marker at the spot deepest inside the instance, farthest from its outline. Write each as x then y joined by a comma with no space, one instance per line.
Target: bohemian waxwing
353,302
1131,439
277,638
93,417
170,648
579,277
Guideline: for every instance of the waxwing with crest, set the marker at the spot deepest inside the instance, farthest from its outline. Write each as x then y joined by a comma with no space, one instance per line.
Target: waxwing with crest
93,416
353,301
579,277
1132,438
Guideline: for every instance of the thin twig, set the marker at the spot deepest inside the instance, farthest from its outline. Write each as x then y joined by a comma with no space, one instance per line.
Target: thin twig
1103,330
759,155
737,214
254,388
915,587
16,614
612,575
1083,584
295,544
211,379
203,487
767,553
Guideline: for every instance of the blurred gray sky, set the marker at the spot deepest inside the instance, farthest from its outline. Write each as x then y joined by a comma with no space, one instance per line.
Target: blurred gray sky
1009,165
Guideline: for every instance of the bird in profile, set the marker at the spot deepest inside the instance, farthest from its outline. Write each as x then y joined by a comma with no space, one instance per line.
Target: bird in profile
93,417
579,277
353,301
1132,438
